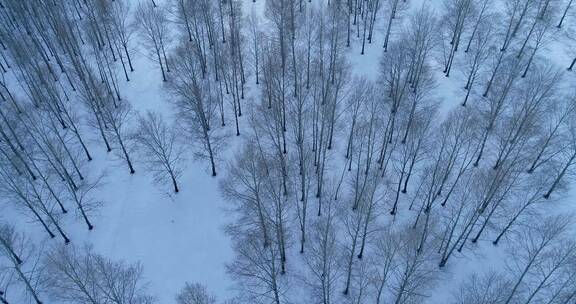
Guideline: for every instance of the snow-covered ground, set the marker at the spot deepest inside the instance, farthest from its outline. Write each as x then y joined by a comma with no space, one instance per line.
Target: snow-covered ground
179,238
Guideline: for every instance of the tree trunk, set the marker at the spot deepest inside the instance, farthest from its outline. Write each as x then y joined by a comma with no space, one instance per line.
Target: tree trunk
560,176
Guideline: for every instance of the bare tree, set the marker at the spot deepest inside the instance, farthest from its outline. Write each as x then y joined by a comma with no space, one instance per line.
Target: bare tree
517,12
83,197
194,294
32,199
72,275
524,203
393,10
457,19
353,228
459,219
549,143
488,288
257,271
479,49
535,95
551,270
121,282
540,34
568,160
22,257
322,258
568,6
82,276
534,244
244,186
257,36
385,262
501,85
160,148
415,273
153,25
122,31
118,117
195,102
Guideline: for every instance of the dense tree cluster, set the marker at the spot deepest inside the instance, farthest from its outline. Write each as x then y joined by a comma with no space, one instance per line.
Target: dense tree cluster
345,188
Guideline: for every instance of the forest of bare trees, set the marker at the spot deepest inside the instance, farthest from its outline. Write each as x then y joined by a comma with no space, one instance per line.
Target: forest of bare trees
349,177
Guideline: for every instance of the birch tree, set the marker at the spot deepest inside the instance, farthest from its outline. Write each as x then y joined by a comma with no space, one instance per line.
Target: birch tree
161,149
